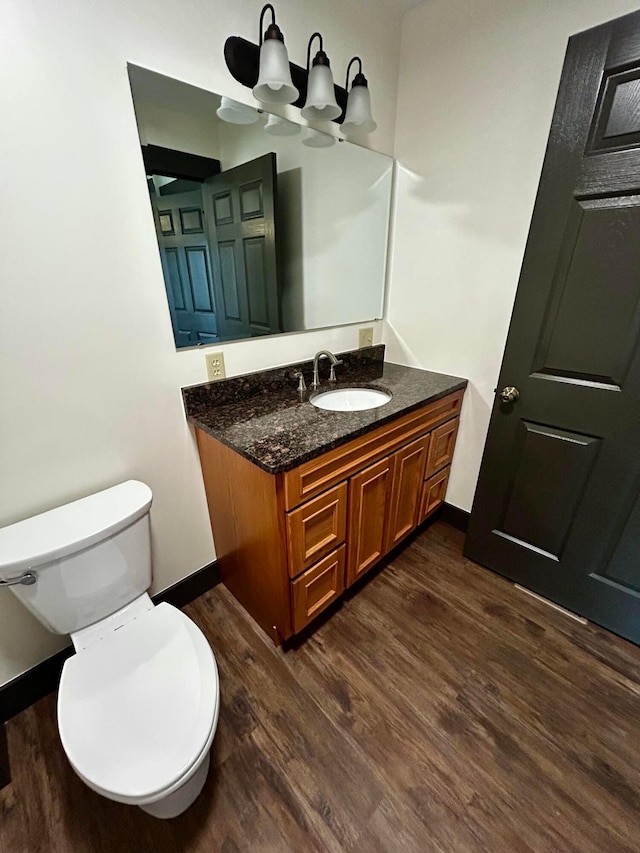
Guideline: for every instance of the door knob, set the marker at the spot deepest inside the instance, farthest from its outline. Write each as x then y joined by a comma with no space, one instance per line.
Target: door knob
509,394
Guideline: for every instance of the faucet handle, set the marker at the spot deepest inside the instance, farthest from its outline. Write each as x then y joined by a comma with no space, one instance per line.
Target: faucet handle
302,386
332,372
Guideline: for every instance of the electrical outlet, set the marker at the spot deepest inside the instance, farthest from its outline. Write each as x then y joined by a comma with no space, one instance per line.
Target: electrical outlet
215,366
365,337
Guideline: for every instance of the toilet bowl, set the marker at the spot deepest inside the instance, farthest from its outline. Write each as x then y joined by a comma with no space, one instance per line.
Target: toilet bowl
138,701
137,711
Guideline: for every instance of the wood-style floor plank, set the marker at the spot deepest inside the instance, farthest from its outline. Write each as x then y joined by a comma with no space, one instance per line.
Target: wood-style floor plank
438,709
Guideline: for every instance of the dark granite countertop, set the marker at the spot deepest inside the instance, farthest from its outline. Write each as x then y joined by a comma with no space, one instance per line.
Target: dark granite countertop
262,416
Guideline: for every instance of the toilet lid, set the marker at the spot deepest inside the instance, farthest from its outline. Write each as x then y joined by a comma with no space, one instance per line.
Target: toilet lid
136,709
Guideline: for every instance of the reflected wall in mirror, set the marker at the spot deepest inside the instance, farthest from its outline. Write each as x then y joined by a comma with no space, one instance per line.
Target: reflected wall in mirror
259,233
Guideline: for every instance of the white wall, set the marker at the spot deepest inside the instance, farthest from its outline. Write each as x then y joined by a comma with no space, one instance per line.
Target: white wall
476,95
197,134
90,378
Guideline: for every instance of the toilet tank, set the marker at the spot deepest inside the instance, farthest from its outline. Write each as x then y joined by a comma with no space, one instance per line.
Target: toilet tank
91,557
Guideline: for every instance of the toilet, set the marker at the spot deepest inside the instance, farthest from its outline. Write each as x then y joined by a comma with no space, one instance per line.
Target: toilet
138,701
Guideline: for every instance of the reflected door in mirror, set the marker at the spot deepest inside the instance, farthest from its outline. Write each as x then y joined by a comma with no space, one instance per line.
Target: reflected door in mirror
240,205
186,262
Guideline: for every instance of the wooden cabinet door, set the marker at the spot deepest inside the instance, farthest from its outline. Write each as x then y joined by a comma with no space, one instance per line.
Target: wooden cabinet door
409,465
369,496
317,588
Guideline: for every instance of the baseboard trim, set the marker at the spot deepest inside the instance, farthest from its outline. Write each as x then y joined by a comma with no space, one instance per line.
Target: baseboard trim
42,679
5,770
456,517
26,689
191,587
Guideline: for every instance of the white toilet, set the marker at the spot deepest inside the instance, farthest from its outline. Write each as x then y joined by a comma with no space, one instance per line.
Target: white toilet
138,702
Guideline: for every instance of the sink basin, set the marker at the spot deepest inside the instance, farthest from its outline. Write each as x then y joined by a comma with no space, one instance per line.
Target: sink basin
350,399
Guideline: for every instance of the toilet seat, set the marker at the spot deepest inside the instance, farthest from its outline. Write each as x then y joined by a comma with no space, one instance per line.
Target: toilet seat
138,709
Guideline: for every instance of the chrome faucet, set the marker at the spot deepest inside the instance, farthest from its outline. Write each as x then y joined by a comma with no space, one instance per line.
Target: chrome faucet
332,374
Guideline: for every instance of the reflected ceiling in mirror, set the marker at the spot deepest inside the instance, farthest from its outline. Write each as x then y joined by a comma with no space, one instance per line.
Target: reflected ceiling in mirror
264,227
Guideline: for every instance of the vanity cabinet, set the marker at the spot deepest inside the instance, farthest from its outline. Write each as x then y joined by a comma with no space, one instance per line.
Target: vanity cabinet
289,544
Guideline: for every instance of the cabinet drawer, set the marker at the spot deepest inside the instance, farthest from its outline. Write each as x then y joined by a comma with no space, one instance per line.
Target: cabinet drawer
433,491
318,474
316,588
443,441
316,528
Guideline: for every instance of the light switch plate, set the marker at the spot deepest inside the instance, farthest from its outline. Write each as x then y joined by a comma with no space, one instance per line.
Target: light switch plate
365,337
215,366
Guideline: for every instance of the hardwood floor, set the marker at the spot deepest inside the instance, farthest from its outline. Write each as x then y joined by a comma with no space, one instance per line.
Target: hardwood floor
439,709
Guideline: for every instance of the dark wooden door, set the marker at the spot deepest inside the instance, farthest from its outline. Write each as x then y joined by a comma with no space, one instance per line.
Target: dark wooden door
240,206
557,507
186,265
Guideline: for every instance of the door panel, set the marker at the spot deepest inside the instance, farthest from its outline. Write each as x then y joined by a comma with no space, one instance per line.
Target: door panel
255,261
175,279
228,283
555,507
559,462
199,278
591,327
251,206
621,568
223,209
240,204
617,119
186,265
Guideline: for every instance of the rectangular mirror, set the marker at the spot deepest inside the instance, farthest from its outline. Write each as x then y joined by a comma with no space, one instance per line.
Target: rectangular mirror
263,226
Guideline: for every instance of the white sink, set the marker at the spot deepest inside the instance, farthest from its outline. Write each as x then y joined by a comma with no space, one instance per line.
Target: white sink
350,399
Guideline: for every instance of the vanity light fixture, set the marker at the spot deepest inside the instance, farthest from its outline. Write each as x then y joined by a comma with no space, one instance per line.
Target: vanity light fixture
265,69
358,116
321,104
236,113
278,126
274,85
318,139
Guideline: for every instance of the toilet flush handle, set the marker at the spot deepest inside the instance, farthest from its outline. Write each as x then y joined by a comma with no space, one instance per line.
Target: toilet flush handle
27,579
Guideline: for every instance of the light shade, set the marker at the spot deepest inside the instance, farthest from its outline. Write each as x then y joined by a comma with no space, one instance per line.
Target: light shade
317,139
358,116
278,126
321,104
235,112
274,84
